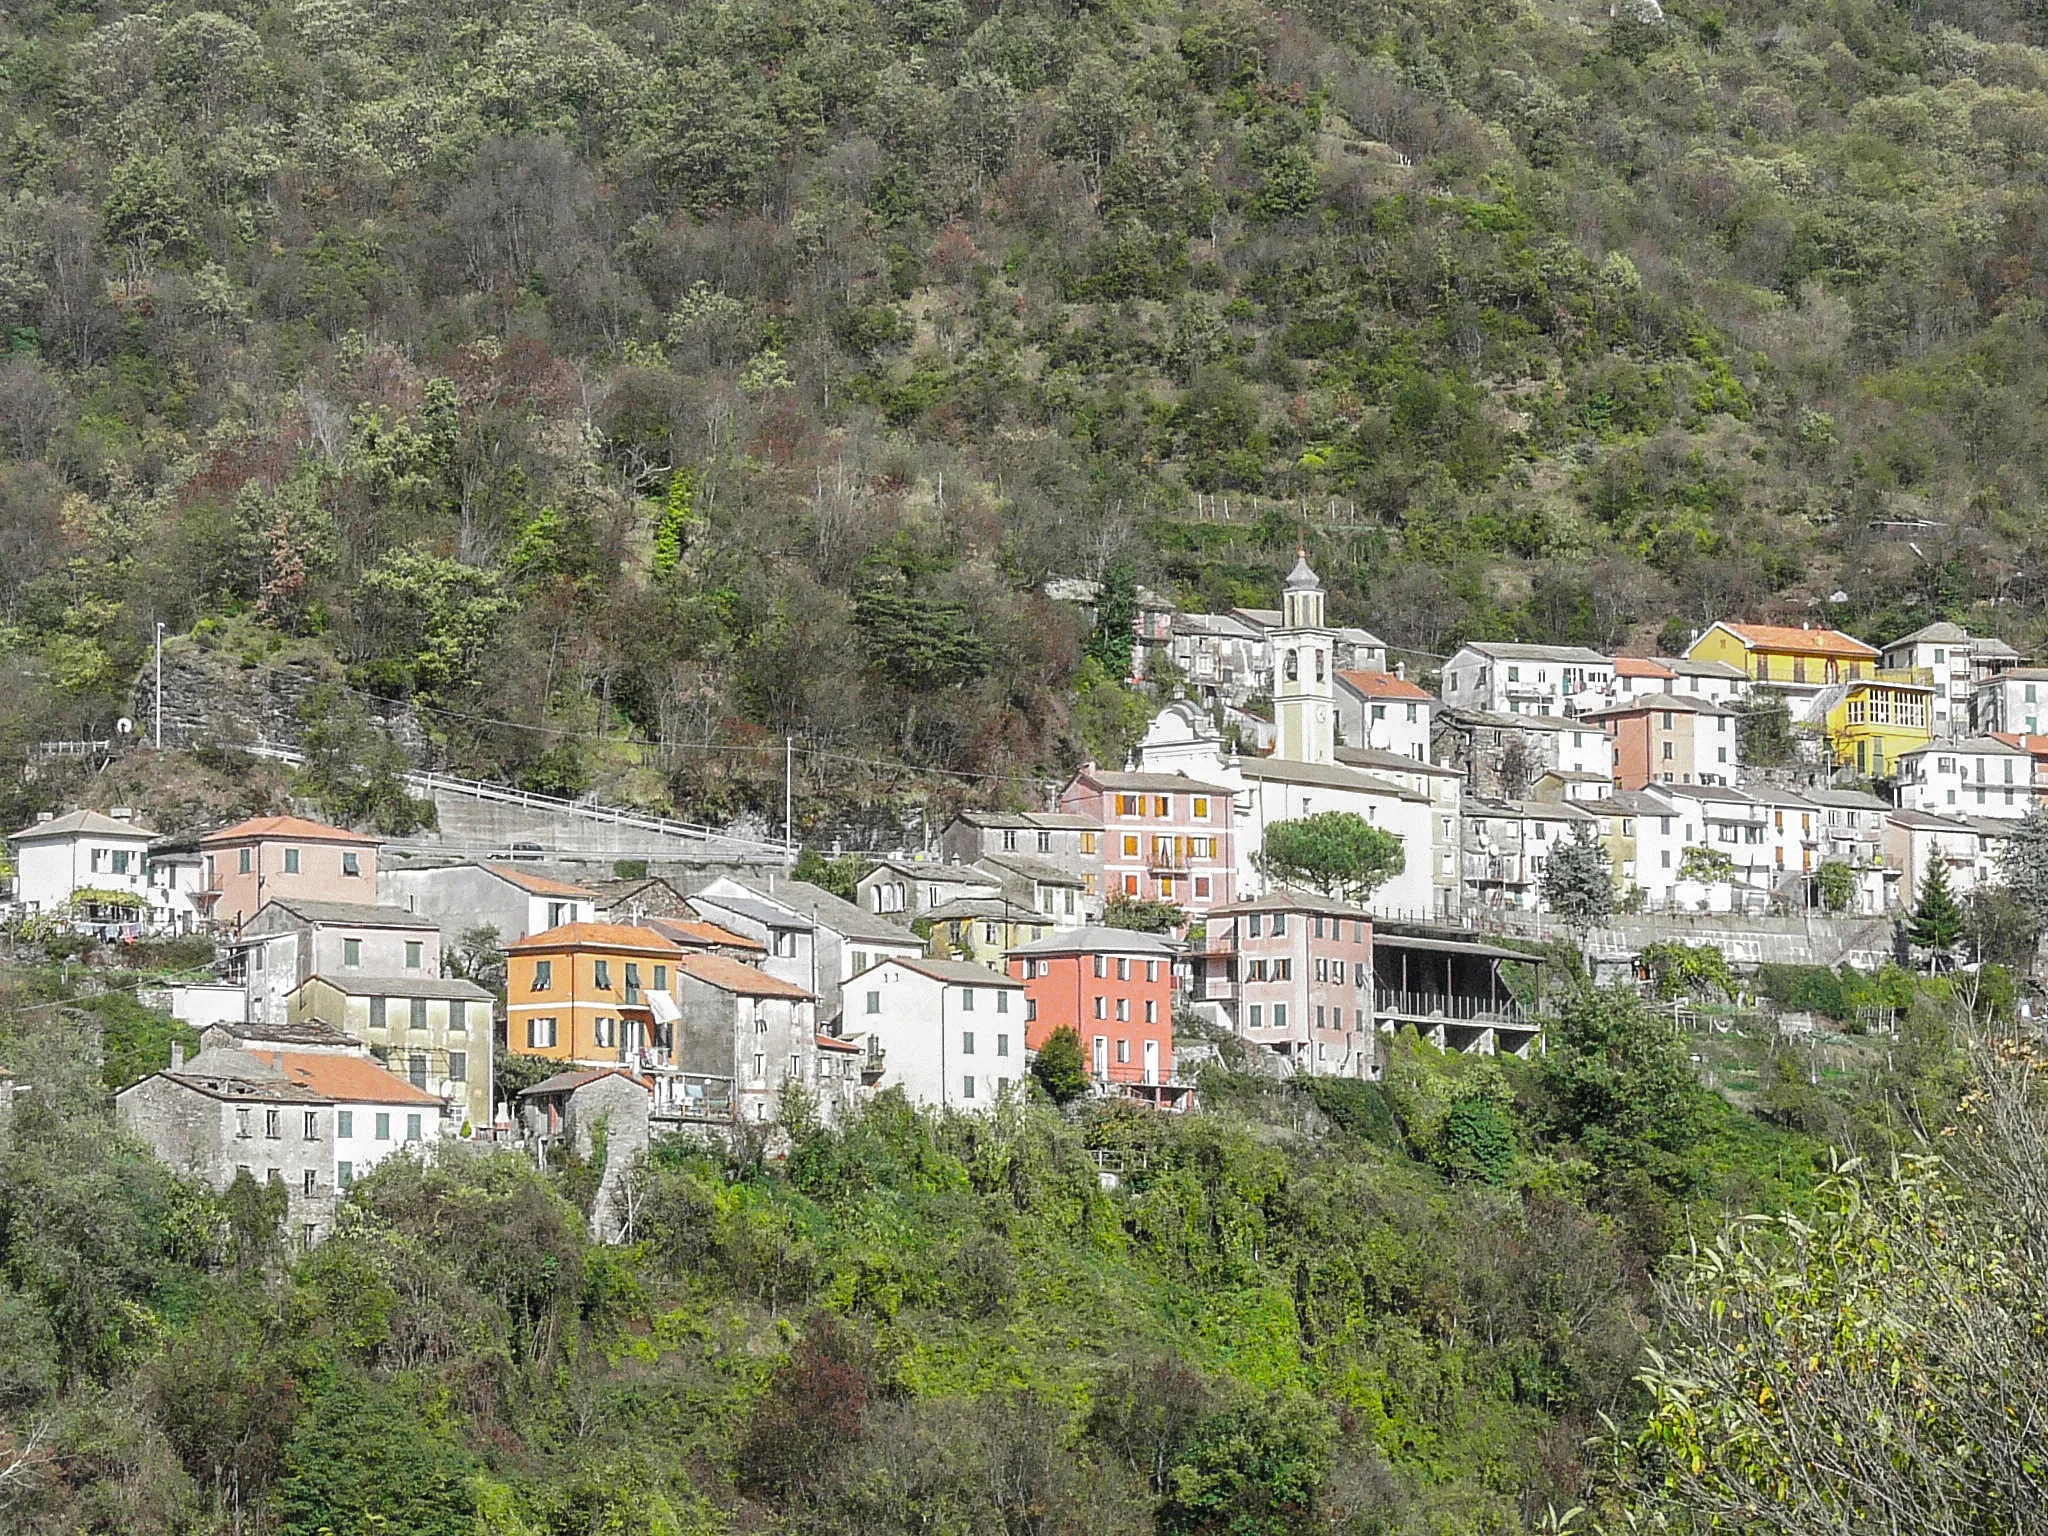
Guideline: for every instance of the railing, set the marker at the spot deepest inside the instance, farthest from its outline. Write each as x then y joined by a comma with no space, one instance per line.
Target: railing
693,1097
1450,1007
501,794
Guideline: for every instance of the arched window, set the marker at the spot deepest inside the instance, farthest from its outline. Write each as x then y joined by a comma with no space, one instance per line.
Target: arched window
1293,666
1319,664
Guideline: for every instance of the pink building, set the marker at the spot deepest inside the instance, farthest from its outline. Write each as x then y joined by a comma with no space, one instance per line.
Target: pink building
272,857
1165,837
1294,973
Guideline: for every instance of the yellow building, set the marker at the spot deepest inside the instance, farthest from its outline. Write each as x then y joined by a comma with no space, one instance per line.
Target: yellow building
1786,657
982,930
1876,720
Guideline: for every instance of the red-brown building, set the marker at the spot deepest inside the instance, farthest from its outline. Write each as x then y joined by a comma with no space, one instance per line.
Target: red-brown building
1112,987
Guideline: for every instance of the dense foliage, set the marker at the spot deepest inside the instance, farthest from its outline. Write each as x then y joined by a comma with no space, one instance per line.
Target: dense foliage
1337,1306
623,390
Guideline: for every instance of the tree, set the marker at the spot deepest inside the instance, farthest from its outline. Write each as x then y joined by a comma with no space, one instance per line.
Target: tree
1617,1080
1763,736
1141,916
1709,866
2023,870
1111,643
1836,883
1939,921
1060,1066
1578,883
1879,1352
1339,853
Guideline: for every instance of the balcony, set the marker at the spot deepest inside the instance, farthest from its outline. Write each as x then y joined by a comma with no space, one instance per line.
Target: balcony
1453,1008
692,1097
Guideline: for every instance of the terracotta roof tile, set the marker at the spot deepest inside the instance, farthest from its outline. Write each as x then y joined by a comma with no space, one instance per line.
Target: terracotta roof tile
345,1079
1786,637
1382,685
598,936
737,976
540,885
693,932
285,826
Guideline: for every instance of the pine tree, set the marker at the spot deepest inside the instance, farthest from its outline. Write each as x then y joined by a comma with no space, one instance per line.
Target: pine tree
1938,921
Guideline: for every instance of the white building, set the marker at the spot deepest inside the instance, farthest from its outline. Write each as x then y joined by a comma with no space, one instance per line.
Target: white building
1972,776
1504,679
843,939
1384,711
946,1031
2015,702
1508,844
107,859
1940,654
1916,841
290,941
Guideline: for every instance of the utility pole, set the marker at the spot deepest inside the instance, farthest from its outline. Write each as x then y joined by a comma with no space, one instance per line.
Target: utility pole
789,797
159,685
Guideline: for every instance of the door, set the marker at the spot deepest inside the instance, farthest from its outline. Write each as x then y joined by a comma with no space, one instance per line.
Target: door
1151,1061
1102,1056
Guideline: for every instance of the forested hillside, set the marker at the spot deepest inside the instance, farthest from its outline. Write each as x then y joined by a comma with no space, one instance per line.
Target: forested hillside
1330,1308
625,386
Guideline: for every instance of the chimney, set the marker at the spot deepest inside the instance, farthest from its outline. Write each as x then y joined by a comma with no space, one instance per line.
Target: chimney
122,813
1401,670
177,1054
43,816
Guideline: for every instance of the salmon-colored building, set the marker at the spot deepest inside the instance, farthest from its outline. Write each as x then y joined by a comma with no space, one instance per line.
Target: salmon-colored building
1165,837
1669,738
1113,987
272,857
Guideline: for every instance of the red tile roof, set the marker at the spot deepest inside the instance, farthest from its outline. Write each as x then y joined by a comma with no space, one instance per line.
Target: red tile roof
2035,742
1814,642
613,936
737,976
834,1043
295,827
1381,685
346,1079
540,885
1639,666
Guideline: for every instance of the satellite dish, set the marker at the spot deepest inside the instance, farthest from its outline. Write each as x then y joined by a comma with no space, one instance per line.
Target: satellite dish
124,726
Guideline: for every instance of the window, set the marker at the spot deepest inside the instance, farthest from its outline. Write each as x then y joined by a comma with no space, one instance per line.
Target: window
291,861
540,1034
312,1132
458,1066
1101,965
1668,754
605,1032
1123,1009
383,1125
966,1042
1279,925
874,1002
1256,1011
1151,1010
760,1065
1102,1007
1127,805
1279,1015
1087,842
632,981
966,1087
244,860
1130,846
412,1127
1123,1051
1379,711
1045,842
344,1124
967,999
352,952
352,864
1162,806
1002,1001
418,1007
1030,1008
311,1183
1251,926
1201,807
661,977
273,1124
458,1017
345,1174
416,1069
602,974
1002,1045
543,975
1123,968
1009,841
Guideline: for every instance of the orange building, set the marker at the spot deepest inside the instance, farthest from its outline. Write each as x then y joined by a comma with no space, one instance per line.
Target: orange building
269,857
581,992
1114,988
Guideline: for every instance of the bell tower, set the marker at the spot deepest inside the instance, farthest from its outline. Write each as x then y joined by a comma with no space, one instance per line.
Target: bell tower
1304,663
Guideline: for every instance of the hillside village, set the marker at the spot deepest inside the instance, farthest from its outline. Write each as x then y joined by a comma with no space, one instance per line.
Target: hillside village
1770,773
